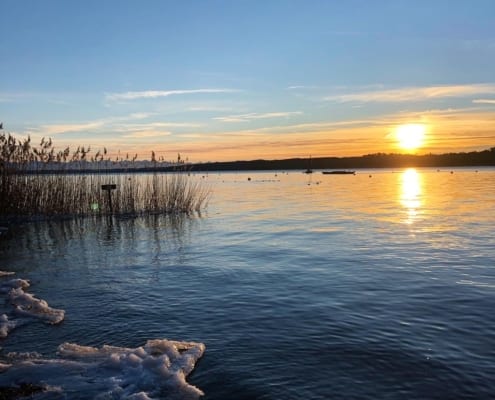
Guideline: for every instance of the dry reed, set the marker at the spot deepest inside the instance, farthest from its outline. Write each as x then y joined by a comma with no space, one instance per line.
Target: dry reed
27,191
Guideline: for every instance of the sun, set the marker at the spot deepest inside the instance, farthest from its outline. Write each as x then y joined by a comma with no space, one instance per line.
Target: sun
410,136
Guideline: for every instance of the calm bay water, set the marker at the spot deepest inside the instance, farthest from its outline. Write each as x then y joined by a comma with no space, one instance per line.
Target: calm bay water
374,286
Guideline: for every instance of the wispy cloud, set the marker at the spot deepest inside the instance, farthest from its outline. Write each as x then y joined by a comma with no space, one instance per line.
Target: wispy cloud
255,116
207,108
121,124
55,129
484,101
147,134
153,94
153,126
140,115
300,87
414,93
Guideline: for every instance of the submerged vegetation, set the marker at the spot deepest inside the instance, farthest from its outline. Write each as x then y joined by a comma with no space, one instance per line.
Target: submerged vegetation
27,191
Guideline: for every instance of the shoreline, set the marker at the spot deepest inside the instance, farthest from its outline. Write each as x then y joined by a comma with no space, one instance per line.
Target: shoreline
485,158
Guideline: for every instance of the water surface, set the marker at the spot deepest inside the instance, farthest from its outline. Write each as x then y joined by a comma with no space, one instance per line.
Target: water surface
378,285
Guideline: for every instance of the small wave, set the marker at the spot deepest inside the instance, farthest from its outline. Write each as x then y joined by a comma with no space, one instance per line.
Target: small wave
156,370
476,284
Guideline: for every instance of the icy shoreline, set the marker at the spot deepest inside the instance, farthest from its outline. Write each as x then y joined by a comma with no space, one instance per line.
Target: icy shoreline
155,370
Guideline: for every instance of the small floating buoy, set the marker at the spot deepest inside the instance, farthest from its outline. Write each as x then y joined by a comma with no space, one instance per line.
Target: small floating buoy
249,178
451,172
369,176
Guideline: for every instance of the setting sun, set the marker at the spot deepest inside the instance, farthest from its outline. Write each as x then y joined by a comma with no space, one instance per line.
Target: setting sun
410,136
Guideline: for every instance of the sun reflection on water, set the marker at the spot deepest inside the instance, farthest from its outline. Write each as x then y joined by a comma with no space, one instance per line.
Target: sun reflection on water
410,195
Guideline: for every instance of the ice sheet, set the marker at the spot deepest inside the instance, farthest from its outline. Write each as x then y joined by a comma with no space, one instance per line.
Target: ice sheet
156,370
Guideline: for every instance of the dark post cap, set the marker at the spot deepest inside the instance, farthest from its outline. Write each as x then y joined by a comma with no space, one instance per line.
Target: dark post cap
109,187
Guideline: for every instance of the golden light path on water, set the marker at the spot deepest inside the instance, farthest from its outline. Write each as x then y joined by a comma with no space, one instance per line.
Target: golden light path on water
411,194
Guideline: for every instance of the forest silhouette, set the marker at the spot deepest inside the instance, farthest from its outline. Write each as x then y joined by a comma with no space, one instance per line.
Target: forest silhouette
377,160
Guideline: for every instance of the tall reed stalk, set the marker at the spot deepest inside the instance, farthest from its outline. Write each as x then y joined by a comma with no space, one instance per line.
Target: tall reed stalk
27,191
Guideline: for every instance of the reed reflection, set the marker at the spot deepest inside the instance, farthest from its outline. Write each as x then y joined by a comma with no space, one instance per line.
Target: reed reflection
157,233
411,194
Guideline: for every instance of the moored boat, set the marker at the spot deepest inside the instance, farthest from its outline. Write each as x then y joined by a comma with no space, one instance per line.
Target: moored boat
309,170
339,172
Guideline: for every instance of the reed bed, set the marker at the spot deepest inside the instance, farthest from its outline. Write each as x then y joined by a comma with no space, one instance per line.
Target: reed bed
27,191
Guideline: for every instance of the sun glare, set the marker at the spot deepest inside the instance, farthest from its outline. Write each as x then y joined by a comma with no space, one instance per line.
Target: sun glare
411,197
410,136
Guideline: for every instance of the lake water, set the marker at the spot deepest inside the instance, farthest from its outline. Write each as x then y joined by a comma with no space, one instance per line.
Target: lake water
374,286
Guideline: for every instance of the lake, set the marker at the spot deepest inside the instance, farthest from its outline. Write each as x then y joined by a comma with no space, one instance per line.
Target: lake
379,285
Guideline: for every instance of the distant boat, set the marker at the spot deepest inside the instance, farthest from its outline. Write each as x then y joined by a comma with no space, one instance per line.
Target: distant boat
309,170
339,172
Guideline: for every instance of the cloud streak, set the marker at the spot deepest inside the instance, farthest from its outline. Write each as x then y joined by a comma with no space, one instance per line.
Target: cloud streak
414,93
55,129
256,116
147,134
484,101
154,94
123,124
153,126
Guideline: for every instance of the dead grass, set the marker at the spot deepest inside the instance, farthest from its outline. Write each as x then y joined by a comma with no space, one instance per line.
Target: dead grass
26,191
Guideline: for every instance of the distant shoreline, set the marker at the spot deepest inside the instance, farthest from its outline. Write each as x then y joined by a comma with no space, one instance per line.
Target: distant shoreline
485,158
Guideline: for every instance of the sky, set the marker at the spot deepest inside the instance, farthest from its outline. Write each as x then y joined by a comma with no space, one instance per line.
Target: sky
218,80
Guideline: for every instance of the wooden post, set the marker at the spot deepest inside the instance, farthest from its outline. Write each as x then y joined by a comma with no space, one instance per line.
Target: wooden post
109,189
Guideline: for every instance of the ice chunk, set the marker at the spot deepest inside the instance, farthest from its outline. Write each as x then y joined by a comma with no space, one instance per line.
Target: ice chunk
4,367
26,304
6,287
6,273
6,326
156,370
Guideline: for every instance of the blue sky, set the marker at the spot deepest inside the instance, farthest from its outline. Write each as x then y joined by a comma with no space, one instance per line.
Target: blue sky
218,80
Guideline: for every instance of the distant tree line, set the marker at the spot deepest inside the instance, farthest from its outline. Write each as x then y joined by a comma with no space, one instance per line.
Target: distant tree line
377,160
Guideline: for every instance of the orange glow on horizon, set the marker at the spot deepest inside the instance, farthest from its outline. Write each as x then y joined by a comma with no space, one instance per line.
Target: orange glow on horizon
437,132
